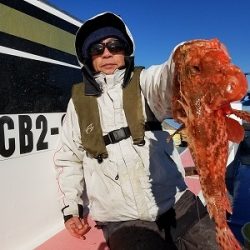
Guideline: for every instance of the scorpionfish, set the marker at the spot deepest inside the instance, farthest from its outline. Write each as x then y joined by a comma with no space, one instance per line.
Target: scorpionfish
205,83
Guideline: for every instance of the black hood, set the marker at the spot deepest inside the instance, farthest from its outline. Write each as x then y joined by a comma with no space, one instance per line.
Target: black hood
97,22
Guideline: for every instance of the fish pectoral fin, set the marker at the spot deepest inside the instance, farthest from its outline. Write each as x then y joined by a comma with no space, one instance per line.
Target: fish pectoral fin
234,130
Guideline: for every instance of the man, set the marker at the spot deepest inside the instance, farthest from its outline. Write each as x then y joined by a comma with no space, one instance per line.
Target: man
114,151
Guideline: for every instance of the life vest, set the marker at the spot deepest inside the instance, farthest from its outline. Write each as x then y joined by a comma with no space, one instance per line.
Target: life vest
89,120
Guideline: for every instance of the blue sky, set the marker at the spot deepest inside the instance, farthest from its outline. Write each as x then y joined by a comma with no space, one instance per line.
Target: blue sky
158,26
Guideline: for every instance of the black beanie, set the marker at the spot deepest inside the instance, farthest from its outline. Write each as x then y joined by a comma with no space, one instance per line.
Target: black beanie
101,34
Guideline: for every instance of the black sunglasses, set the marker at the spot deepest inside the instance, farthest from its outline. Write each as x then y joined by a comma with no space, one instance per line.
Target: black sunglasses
114,46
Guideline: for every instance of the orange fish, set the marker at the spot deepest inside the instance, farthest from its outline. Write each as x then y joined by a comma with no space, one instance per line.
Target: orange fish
205,83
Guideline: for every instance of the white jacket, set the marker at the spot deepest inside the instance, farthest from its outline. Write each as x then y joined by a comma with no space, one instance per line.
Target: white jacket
134,182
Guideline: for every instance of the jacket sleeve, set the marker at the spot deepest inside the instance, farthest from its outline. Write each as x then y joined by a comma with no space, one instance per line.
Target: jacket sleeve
156,85
68,165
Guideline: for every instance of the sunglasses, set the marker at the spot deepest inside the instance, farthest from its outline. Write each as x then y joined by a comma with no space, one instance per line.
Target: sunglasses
113,46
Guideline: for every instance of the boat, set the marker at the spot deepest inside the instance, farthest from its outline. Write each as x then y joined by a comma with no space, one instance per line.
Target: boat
38,67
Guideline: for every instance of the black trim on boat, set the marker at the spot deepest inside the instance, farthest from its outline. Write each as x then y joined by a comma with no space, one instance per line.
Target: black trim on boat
32,86
25,45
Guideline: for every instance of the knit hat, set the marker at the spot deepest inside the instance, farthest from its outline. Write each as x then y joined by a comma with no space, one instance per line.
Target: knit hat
101,34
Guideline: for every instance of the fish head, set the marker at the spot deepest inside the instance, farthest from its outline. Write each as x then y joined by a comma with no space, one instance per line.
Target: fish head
204,78
225,82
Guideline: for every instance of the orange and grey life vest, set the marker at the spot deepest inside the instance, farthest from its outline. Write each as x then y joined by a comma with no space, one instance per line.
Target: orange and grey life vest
91,132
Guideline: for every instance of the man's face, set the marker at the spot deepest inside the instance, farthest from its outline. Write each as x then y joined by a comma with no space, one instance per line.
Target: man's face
107,62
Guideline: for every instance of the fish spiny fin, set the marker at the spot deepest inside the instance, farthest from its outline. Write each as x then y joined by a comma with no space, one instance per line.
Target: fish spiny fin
244,115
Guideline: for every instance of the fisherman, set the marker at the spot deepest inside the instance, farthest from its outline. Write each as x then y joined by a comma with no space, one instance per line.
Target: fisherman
114,162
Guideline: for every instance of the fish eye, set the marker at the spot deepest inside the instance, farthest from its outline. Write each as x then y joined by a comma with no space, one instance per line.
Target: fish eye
194,69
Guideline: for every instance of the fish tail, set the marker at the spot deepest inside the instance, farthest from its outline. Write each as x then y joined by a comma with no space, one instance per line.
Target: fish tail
226,239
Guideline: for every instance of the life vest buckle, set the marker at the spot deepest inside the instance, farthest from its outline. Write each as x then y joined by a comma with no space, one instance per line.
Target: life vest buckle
117,135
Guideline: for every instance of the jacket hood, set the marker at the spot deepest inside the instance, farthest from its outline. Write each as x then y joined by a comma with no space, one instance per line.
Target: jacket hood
94,23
